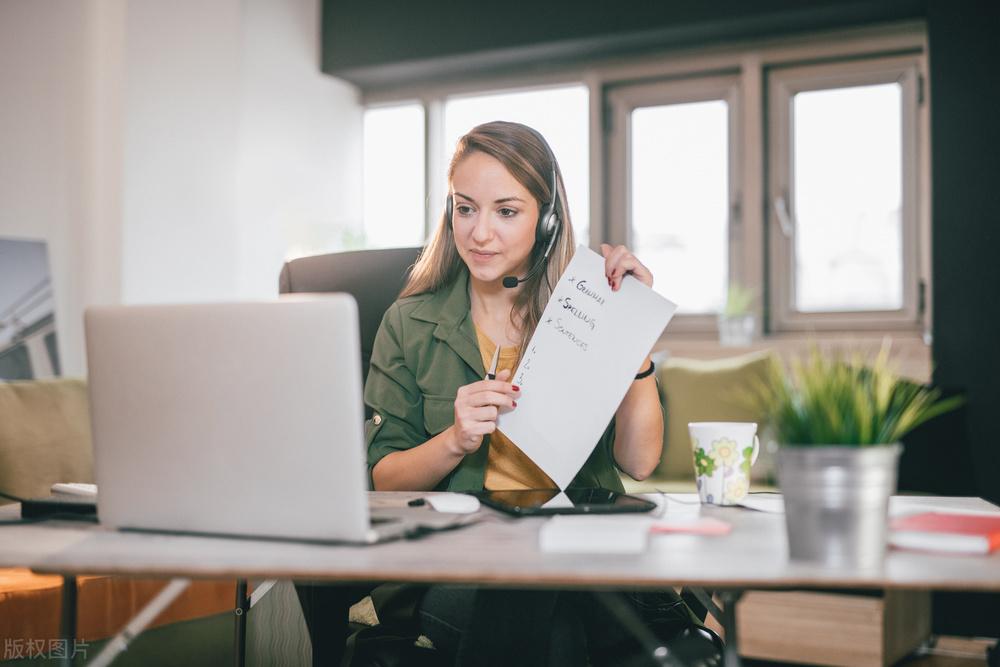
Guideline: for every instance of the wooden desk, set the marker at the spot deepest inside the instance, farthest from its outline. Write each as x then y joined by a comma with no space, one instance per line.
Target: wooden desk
501,552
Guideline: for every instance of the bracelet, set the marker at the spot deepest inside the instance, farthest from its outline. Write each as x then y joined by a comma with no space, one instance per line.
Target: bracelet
646,373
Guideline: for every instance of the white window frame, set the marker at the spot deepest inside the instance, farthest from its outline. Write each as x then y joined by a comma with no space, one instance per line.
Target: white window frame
783,85
622,101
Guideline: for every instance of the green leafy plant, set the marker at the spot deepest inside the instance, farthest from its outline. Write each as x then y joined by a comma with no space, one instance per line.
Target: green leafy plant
739,300
832,400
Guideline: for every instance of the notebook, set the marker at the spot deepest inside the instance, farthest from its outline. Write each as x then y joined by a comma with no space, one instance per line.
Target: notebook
950,533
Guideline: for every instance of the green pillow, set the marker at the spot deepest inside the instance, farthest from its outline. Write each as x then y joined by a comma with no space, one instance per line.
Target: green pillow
44,436
695,391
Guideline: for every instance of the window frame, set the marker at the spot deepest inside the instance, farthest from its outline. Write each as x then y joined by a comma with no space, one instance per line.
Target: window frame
753,59
622,100
783,84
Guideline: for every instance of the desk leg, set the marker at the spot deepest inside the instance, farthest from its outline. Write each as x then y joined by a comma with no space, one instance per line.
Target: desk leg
729,600
242,607
67,619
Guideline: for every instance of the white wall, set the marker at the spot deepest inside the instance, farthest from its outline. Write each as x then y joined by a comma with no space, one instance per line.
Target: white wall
300,176
49,52
237,147
170,151
181,111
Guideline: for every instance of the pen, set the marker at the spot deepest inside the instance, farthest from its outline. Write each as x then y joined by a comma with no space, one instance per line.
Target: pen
491,374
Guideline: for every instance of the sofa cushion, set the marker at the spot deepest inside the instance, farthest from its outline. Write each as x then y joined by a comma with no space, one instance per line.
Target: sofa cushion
696,390
44,436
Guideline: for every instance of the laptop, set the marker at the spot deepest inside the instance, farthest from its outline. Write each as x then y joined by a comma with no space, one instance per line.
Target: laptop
235,419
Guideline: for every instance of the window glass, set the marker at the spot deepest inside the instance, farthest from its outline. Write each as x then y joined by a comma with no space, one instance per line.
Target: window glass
393,196
679,200
847,176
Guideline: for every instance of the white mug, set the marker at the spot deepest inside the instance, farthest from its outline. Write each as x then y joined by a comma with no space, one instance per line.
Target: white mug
723,453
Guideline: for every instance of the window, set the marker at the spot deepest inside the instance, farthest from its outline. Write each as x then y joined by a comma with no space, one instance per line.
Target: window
393,186
673,176
838,230
844,195
795,168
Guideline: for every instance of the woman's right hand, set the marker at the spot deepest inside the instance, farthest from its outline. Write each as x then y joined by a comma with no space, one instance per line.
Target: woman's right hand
477,407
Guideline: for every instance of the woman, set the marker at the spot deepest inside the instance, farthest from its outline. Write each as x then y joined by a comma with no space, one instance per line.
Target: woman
434,416
434,421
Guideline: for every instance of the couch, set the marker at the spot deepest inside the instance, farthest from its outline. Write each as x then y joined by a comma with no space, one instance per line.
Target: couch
45,438
696,390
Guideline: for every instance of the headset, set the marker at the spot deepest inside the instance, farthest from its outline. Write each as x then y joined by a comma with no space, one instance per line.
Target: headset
549,223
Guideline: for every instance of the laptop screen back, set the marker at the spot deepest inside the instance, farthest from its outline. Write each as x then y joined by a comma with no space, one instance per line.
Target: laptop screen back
230,418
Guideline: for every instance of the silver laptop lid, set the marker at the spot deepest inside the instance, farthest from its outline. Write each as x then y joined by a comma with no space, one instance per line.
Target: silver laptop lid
230,418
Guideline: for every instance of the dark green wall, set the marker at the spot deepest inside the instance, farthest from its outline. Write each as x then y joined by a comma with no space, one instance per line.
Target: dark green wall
964,45
384,42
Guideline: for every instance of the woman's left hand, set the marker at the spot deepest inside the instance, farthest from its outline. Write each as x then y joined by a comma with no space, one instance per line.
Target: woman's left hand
619,262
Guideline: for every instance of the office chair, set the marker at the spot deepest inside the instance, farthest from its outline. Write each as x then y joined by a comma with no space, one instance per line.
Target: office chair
374,278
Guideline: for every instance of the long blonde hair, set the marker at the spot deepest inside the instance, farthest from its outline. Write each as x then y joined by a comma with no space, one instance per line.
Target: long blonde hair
524,153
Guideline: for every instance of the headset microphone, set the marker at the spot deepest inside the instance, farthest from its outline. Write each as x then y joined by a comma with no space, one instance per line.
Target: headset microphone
549,223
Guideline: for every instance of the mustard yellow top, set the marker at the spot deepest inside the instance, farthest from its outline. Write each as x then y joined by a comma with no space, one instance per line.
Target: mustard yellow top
507,467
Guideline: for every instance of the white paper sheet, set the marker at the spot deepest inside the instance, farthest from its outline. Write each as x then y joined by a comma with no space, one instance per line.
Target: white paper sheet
579,364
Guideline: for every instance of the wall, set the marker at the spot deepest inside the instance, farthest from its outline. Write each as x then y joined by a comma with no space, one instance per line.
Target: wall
238,148
170,151
299,172
456,38
181,130
50,122
965,144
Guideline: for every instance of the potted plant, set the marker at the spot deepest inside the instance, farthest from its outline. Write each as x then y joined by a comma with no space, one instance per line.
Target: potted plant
736,321
839,423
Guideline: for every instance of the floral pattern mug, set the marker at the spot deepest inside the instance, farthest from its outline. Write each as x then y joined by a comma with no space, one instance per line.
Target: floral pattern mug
723,454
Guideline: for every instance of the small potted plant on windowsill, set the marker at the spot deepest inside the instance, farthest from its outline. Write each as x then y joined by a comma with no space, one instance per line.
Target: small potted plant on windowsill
736,321
839,423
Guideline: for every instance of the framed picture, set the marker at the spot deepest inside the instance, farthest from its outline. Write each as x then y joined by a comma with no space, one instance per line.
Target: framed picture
28,348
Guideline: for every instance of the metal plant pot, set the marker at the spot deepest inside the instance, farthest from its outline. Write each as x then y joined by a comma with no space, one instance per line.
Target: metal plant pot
837,502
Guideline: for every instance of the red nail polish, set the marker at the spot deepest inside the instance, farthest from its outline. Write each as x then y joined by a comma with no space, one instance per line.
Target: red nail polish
515,387
515,403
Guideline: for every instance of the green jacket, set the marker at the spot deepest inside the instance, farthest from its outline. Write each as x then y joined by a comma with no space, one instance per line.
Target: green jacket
424,351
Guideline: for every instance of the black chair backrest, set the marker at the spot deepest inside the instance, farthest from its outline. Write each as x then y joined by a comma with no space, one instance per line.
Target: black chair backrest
373,277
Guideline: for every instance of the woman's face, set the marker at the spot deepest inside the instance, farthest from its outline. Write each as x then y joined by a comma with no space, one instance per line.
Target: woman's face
494,218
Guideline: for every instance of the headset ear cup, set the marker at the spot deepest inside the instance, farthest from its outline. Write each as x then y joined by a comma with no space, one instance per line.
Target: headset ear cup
546,224
448,206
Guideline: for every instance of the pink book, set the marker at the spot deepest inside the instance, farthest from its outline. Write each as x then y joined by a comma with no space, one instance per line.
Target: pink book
952,533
